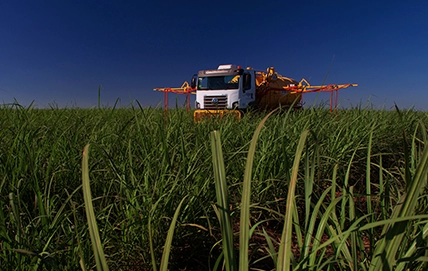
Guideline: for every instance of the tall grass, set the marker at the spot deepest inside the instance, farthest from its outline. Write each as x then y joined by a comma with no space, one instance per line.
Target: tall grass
342,241
144,164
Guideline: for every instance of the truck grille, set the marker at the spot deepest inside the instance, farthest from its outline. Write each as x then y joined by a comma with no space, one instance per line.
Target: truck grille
215,102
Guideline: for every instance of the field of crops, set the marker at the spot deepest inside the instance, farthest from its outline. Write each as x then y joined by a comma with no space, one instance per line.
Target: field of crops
313,190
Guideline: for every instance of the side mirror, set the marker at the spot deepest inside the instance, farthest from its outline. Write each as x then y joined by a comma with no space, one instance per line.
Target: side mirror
193,81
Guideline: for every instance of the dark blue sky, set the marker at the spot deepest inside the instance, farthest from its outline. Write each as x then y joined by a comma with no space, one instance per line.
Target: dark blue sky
59,52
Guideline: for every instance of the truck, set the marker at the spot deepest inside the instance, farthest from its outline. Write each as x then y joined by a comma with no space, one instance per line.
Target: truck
231,89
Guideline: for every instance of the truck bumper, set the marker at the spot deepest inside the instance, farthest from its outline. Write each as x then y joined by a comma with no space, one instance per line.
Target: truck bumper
201,114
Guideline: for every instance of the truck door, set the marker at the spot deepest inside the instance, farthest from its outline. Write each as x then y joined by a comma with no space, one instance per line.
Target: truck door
248,94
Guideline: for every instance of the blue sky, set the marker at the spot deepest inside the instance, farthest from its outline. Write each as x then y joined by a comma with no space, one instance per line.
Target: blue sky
59,52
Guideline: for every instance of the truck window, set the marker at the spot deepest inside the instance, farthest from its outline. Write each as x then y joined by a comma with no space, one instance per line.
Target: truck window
218,82
247,82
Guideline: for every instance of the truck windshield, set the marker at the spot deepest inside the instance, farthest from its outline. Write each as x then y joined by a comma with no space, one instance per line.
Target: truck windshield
219,82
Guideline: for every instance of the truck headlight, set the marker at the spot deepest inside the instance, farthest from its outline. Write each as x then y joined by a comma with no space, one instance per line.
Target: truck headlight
235,105
198,105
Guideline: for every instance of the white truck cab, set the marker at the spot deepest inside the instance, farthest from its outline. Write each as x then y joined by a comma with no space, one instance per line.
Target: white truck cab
227,87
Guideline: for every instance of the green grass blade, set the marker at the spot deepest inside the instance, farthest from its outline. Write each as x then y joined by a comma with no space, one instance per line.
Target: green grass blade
244,236
168,241
284,254
305,251
323,223
297,228
386,250
368,179
150,235
352,217
223,201
90,215
271,247
412,249
310,167
336,238
418,182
